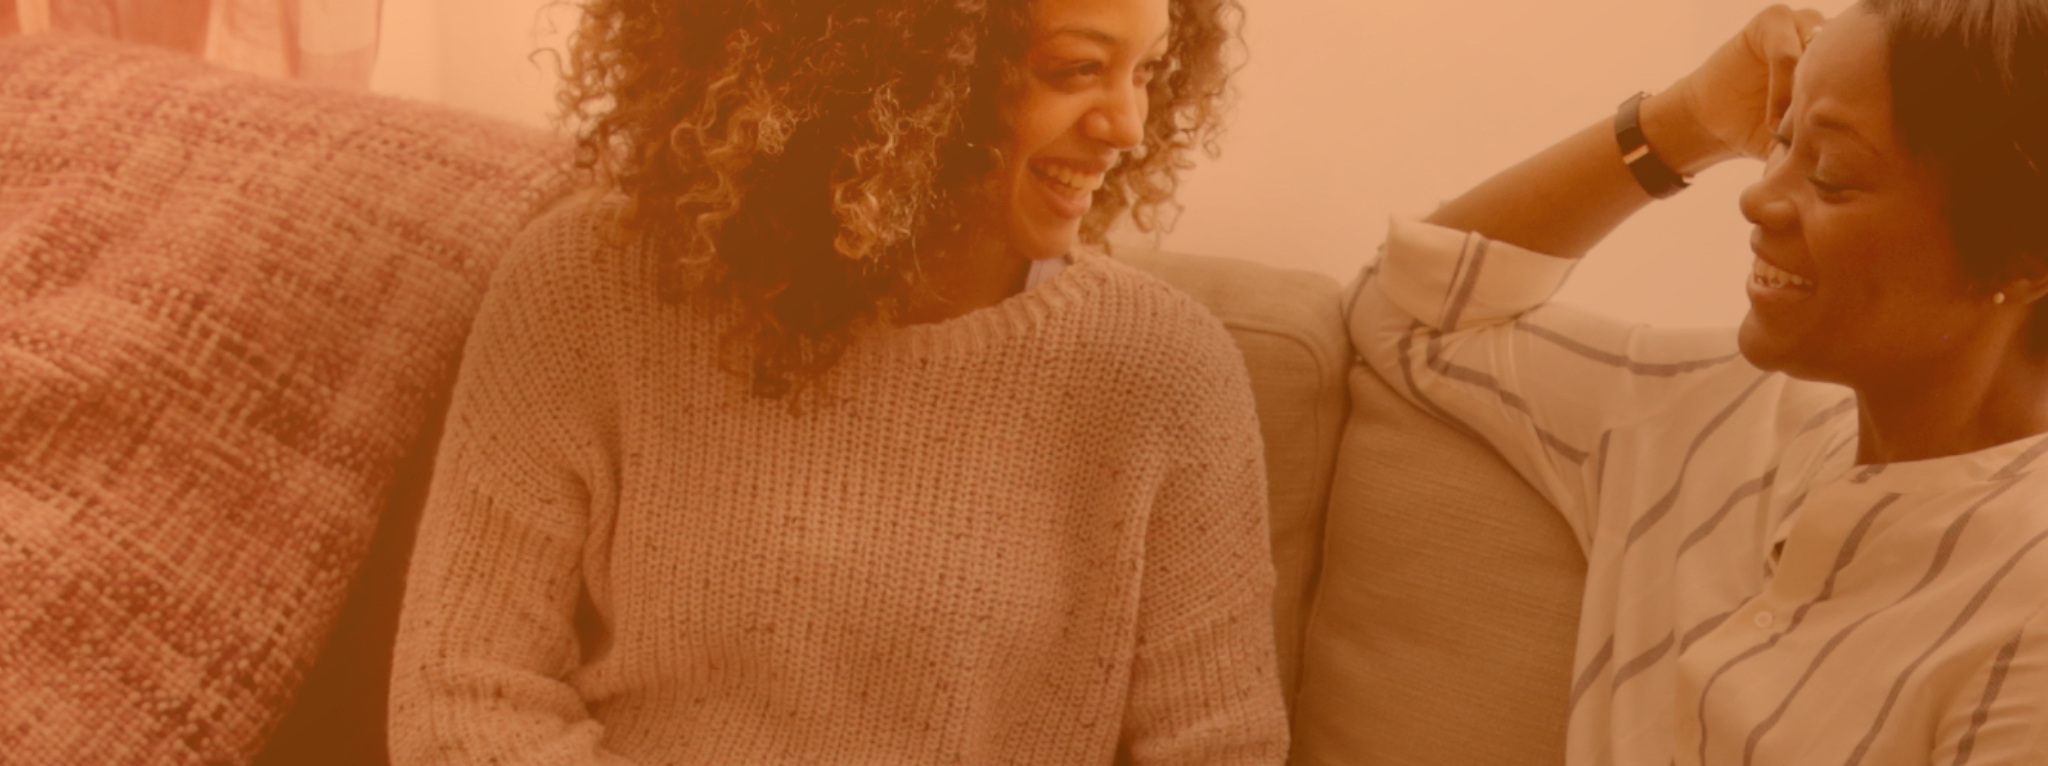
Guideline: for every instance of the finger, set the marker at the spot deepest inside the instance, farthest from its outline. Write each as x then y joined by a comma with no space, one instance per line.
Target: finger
1781,46
1809,22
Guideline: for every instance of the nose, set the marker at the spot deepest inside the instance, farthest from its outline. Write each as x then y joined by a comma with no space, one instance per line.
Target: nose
1119,120
1766,203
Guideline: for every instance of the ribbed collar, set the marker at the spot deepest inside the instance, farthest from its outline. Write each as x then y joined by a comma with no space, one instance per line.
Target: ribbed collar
1015,316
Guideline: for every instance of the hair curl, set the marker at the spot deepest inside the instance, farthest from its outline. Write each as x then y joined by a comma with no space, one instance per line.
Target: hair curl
784,158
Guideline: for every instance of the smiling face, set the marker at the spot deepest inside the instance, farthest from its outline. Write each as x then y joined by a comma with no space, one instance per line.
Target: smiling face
1857,279
1079,104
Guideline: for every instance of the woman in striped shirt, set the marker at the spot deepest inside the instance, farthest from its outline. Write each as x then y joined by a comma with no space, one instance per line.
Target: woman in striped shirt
1816,539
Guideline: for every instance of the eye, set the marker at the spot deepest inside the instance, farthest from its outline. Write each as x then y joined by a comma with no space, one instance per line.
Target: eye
1077,71
1825,188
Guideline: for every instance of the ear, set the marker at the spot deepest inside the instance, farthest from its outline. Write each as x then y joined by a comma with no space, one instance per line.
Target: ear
2025,280
2030,284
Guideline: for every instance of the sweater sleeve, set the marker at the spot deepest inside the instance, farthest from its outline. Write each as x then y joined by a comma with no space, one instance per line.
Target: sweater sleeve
486,638
1205,684
1460,326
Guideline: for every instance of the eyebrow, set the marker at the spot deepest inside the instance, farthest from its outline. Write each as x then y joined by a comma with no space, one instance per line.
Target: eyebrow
1833,124
1106,39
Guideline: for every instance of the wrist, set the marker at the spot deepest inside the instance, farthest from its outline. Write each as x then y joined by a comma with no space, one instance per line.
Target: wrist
1672,129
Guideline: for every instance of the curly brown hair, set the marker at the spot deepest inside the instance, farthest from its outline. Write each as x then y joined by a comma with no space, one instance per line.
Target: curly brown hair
783,158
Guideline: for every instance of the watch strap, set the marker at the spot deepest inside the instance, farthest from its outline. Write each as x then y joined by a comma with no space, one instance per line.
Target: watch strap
1656,178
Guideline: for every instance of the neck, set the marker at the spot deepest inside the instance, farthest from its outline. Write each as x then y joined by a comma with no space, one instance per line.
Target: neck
966,277
1944,413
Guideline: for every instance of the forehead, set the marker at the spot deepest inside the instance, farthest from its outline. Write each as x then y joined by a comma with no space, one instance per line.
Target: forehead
1844,77
1134,23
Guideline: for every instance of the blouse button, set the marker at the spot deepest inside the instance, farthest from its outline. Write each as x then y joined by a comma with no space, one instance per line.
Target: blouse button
1763,619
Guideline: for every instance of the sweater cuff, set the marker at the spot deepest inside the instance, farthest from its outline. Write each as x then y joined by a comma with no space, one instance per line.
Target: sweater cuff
1454,279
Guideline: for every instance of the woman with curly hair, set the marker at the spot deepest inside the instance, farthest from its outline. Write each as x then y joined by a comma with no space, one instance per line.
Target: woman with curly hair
814,434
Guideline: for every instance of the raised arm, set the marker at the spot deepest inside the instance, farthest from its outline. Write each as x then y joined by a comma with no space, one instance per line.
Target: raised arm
1454,314
1567,198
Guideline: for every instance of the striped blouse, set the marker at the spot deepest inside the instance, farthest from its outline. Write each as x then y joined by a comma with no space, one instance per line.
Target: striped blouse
1752,596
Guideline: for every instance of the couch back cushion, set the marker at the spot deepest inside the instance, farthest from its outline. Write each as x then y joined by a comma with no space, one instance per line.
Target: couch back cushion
226,304
1291,329
1443,627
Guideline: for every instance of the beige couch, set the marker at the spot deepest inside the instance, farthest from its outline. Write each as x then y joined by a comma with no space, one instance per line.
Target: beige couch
1427,595
1426,599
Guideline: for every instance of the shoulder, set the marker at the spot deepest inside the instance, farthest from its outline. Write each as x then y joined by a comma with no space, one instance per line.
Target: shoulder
1142,308
572,239
1165,341
1166,347
569,266
539,367
556,297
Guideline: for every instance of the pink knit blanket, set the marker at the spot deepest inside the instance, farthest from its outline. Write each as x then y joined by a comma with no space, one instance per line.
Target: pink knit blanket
226,303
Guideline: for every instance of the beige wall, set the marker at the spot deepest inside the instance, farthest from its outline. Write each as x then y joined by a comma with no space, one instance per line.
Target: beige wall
473,54
1350,111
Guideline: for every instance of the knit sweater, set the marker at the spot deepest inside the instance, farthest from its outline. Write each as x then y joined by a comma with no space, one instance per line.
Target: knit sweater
1035,533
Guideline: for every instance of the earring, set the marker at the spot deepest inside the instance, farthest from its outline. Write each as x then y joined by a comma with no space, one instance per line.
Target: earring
1998,297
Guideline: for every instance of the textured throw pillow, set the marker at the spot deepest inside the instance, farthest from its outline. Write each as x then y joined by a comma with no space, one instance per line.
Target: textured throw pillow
226,303
1444,623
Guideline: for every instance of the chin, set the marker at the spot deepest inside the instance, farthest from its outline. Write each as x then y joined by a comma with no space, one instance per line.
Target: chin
1771,352
1757,347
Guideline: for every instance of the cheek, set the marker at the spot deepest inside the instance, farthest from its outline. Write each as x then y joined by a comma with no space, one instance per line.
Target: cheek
1037,121
1842,249
1854,245
1890,269
1035,126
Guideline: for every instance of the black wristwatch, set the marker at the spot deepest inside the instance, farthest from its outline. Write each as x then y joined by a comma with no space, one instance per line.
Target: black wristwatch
1656,178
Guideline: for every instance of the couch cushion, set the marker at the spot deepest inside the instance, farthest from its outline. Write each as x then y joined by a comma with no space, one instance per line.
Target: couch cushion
1443,627
1290,328
226,304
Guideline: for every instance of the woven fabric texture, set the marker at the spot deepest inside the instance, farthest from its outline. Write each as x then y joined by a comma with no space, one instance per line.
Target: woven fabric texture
225,302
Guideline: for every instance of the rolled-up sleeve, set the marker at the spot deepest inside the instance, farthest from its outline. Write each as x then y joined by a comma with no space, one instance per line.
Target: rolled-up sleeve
1461,325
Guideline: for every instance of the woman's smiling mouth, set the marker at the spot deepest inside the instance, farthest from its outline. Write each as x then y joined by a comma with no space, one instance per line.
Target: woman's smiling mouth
1071,190
1763,274
1073,178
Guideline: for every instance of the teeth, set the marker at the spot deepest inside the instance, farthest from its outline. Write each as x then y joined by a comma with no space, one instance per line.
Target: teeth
1086,182
1772,276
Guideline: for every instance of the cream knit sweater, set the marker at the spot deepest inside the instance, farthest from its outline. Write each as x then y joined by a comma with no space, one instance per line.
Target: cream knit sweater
1032,534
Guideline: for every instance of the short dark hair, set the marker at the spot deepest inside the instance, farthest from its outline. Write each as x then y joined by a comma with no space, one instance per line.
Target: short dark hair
1969,83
